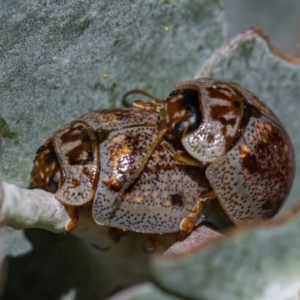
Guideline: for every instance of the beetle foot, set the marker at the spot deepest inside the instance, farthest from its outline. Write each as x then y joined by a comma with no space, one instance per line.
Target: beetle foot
72,224
187,224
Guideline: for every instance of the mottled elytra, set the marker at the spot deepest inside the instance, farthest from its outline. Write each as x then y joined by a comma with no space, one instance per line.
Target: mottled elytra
163,166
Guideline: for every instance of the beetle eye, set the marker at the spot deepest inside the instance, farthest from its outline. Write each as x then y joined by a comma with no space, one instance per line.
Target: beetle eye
179,128
53,182
193,109
184,111
175,92
46,172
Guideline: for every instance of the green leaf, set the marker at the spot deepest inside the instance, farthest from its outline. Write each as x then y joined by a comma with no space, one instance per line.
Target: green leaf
260,263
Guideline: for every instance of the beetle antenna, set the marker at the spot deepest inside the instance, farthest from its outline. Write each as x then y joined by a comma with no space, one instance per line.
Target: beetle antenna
144,93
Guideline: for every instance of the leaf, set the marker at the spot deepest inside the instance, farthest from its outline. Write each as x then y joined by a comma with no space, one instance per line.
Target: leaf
259,263
144,291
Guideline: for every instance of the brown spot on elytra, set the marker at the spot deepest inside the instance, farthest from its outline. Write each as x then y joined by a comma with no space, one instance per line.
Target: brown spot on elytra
274,137
267,171
84,138
75,155
176,200
220,110
226,122
210,138
250,162
267,205
74,134
75,182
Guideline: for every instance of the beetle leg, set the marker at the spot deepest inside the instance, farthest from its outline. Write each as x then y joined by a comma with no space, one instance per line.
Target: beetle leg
186,160
72,224
187,224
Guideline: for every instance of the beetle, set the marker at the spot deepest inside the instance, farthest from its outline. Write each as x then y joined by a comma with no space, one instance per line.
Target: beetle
161,166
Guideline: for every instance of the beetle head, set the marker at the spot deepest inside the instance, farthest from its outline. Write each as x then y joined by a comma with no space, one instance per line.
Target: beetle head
181,114
46,173
205,114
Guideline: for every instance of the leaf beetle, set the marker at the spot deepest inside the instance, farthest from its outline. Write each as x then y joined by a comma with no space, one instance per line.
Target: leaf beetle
158,167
